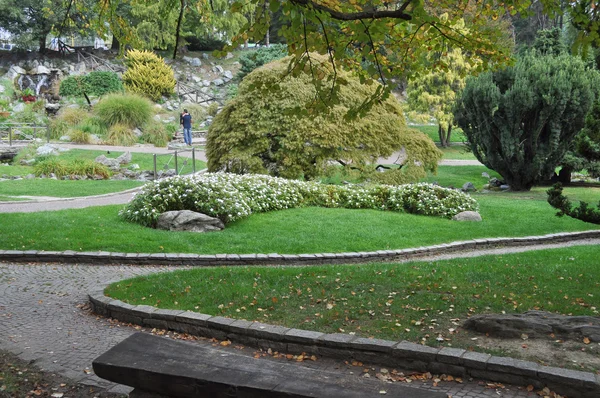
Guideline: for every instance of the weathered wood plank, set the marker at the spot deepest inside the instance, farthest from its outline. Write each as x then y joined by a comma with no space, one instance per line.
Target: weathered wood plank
182,369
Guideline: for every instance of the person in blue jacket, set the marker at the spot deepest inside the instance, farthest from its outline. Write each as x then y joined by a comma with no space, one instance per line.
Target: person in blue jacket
186,122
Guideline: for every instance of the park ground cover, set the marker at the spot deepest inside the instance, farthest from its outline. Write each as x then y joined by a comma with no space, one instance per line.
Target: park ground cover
11,189
424,302
432,132
300,230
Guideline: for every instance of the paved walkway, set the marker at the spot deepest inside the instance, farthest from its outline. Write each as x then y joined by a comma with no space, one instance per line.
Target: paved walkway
43,318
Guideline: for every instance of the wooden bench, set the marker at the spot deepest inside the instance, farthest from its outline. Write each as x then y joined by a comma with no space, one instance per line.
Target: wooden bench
160,367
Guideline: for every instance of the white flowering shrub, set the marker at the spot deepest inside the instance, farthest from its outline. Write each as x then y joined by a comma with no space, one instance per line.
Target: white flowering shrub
232,197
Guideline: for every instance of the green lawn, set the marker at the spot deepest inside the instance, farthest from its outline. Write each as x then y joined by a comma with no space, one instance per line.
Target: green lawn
457,152
432,131
63,189
456,176
303,230
69,188
418,301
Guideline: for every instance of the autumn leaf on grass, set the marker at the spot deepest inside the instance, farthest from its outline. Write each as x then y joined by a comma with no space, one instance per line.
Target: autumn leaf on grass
586,340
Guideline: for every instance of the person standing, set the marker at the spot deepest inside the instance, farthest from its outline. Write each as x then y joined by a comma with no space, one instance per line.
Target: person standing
186,122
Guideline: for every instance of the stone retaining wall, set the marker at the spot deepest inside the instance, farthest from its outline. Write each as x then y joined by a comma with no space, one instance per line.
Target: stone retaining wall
102,257
403,354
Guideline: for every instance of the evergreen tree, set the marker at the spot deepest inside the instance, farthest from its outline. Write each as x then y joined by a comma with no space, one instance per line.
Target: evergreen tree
520,121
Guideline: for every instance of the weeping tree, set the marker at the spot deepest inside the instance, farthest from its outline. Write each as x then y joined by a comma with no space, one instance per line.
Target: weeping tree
275,126
520,121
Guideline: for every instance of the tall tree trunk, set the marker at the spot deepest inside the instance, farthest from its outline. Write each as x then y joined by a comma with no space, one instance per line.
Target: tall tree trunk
178,28
115,45
267,38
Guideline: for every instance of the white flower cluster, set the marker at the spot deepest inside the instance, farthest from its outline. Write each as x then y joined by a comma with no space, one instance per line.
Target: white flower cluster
232,197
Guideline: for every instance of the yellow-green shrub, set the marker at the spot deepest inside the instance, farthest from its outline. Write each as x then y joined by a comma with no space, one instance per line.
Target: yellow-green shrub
155,133
79,136
120,134
147,74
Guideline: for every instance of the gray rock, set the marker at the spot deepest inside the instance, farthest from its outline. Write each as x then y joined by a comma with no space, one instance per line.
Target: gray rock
494,182
47,149
187,220
229,55
204,56
218,82
196,79
138,133
19,107
134,166
40,70
504,187
467,216
536,324
228,74
468,187
125,158
113,164
187,59
485,175
118,177
218,69
205,83
196,62
30,176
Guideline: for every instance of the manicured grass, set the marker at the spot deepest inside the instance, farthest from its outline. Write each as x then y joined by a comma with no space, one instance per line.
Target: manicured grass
456,176
432,131
62,188
144,160
303,230
457,152
418,301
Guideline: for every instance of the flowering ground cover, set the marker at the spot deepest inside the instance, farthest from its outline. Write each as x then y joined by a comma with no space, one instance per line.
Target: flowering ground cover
232,197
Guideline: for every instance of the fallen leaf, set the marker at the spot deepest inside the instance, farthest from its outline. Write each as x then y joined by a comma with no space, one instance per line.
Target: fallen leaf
586,340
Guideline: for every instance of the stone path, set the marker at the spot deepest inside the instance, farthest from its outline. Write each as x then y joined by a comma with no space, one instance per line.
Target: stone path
43,319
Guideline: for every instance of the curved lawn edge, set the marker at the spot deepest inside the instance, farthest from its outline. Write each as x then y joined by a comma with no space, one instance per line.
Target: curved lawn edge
104,257
397,354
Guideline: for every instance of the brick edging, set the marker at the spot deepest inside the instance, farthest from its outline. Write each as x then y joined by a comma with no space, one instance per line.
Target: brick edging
446,360
103,257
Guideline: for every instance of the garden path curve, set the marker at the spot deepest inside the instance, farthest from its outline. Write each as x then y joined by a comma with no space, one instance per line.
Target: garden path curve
44,318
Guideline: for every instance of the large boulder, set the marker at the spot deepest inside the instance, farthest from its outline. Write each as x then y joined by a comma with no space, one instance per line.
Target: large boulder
187,220
467,216
536,324
112,164
468,187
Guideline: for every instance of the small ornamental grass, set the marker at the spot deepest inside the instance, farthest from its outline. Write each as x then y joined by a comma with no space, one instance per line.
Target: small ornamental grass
232,197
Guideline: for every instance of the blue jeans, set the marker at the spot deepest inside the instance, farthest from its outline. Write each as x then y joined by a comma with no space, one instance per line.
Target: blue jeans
187,136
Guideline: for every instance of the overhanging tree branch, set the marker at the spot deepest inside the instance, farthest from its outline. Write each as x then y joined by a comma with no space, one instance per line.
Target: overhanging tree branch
399,13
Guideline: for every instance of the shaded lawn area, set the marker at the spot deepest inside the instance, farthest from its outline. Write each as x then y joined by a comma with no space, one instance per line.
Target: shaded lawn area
458,152
293,231
456,176
457,134
416,301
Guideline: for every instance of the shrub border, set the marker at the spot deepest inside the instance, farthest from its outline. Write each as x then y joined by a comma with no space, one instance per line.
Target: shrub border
205,260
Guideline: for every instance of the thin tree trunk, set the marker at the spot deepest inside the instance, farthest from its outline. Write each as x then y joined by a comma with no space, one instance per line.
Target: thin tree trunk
178,28
42,42
267,39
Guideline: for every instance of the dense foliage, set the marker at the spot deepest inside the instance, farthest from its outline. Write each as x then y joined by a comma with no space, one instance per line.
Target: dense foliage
77,167
433,94
272,127
585,151
520,121
94,83
128,109
583,212
148,75
253,59
231,197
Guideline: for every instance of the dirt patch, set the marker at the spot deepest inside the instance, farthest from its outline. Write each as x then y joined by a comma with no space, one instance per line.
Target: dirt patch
19,379
559,353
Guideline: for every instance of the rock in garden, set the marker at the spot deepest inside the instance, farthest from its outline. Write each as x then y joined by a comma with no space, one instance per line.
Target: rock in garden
485,175
196,62
467,216
228,74
187,220
536,324
218,82
504,187
125,158
47,149
468,187
112,164
494,182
